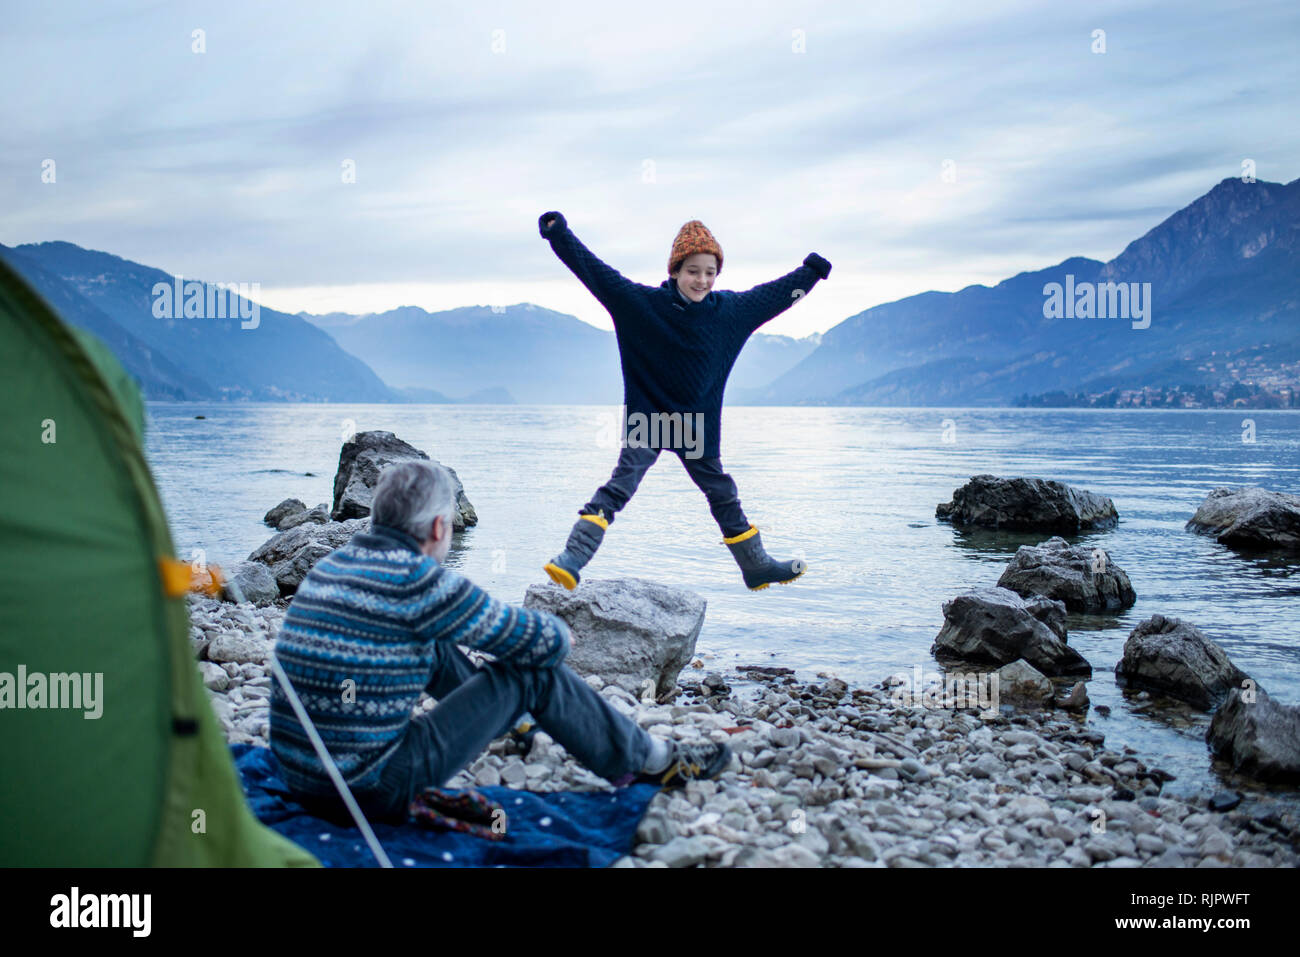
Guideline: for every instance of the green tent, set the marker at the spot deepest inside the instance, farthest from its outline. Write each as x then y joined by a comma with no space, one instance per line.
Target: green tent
93,619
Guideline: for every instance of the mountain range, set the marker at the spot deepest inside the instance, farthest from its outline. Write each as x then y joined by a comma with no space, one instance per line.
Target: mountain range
521,353
1220,276
283,358
531,354
1224,275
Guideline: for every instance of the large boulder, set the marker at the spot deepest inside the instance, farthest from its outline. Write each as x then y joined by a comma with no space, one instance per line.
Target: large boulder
626,630
251,582
362,460
997,626
1172,657
1029,504
1251,519
287,508
290,555
1257,736
1085,579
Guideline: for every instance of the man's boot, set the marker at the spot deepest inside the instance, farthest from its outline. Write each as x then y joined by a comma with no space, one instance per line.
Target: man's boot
588,532
756,565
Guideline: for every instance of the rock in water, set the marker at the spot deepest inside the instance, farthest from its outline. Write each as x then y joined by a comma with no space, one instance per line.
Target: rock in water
1077,699
1224,801
290,506
626,630
1251,519
997,626
290,555
1173,657
1259,738
1085,579
1027,503
361,461
317,516
255,584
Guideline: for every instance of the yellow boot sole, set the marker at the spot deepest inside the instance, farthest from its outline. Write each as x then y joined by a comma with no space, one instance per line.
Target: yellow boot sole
786,582
560,576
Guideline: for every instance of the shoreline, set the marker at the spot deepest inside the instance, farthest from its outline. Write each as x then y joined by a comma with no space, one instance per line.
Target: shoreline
829,775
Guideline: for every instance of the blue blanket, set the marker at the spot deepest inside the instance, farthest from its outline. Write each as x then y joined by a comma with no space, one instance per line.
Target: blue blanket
554,829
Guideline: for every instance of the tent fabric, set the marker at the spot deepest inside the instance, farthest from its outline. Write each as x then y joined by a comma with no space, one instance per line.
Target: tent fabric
551,829
117,379
149,779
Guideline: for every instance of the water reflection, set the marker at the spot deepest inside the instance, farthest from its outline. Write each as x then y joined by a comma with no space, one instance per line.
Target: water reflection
854,489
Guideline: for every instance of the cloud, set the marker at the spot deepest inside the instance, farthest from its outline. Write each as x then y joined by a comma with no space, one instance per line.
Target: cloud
464,124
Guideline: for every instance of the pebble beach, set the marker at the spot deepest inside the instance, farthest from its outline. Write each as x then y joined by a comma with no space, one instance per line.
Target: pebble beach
828,775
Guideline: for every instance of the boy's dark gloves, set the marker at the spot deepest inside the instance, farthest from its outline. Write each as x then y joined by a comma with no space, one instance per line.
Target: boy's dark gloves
556,221
818,265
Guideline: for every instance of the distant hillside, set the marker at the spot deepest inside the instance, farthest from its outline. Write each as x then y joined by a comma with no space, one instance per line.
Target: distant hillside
530,354
159,376
282,358
1224,274
430,397
523,353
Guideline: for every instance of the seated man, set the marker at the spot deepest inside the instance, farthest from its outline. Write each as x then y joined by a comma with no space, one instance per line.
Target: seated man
377,621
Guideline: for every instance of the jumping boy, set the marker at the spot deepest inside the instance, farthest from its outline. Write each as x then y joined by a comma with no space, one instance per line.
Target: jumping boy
677,343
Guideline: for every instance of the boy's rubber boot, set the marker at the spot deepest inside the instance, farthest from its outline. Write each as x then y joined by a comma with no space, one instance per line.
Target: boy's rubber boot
588,532
757,566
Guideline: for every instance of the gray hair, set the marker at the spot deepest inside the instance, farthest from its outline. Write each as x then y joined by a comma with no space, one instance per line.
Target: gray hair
410,495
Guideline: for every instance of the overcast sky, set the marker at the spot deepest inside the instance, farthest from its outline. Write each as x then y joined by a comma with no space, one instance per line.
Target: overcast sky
786,127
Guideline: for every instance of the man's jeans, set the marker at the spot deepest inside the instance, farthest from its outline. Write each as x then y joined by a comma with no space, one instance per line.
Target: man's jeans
475,706
633,463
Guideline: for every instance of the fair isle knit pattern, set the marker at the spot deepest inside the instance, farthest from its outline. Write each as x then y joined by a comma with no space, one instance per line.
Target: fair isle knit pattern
370,613
677,354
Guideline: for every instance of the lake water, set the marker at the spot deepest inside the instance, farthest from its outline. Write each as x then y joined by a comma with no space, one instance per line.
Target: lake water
853,491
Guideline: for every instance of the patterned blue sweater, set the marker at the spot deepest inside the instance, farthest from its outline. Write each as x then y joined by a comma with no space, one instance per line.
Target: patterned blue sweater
677,354
371,612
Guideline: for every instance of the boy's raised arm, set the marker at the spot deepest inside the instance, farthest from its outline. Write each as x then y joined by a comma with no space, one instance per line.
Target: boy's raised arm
450,607
608,285
768,300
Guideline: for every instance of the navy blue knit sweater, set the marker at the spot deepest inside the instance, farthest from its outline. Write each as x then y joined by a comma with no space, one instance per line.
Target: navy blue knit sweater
372,613
677,354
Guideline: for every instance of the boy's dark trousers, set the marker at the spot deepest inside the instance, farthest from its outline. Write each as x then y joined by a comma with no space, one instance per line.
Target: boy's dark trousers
476,705
635,461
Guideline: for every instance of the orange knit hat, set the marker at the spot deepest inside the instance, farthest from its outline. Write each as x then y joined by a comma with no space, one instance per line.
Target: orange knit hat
693,238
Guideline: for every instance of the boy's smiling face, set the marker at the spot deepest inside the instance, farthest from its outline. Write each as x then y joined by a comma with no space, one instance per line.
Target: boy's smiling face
696,274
